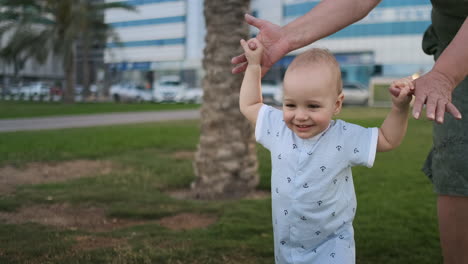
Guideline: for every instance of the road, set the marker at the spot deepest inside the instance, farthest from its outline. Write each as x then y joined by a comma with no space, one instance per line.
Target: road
43,123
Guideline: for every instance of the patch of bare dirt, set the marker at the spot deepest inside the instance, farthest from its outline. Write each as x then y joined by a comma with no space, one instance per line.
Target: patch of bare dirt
187,221
36,173
185,155
68,217
84,243
93,219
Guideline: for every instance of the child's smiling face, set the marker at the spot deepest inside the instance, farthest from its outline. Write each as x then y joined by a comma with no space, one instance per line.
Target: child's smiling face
310,99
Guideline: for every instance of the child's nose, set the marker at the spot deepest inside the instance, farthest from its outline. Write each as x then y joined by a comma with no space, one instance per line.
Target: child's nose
301,115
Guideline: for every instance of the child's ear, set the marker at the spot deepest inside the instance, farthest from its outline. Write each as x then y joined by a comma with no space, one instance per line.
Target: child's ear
339,103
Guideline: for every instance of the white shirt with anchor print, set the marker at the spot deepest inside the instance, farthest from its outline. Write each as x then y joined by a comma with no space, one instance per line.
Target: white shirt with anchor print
313,198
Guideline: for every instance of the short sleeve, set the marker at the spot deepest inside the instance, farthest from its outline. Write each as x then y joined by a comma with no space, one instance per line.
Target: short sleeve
361,144
269,120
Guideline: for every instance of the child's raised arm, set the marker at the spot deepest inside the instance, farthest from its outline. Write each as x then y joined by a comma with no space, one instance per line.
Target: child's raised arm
250,99
393,129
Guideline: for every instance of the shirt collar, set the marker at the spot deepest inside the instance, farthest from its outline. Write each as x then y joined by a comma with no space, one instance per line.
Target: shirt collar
315,138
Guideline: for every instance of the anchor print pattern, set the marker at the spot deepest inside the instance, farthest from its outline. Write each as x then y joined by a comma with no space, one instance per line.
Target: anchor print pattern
325,170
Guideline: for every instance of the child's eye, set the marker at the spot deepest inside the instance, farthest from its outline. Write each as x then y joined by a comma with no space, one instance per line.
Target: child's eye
313,106
290,105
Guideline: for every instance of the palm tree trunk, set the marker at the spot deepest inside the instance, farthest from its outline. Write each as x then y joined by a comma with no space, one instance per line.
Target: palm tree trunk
70,68
226,161
86,68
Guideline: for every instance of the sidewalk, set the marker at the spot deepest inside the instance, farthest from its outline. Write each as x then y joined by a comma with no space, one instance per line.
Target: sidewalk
42,123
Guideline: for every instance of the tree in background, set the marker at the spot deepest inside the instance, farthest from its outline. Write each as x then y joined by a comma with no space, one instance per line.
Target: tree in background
46,27
226,161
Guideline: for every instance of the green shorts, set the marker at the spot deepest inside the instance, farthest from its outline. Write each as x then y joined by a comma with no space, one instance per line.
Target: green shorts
447,163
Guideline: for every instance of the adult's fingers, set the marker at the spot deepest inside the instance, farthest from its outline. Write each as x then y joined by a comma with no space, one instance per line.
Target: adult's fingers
440,111
418,104
452,109
253,21
431,105
239,59
239,68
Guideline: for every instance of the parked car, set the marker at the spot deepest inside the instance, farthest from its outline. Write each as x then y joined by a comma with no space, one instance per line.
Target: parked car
168,89
130,92
35,91
355,93
272,92
191,95
12,93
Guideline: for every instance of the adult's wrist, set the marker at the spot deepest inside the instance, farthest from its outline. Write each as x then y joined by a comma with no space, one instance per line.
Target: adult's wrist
448,81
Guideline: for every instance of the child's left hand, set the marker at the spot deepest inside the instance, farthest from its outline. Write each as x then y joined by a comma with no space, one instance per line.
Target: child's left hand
406,92
253,50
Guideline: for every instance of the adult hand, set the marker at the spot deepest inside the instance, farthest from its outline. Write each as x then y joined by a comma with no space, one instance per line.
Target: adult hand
435,90
273,39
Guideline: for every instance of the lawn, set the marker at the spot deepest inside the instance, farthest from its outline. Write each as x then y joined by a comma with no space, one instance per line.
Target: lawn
395,223
21,109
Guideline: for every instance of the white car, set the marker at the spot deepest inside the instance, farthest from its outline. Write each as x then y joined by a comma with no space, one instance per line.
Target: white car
130,92
191,95
355,93
35,91
168,89
272,92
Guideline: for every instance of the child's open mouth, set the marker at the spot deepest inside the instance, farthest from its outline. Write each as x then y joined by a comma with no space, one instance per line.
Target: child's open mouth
303,127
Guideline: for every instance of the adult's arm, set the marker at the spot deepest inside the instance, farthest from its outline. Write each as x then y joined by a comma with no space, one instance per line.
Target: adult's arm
328,17
435,88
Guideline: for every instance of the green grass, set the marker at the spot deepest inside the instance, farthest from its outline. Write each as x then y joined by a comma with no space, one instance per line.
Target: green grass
395,223
10,109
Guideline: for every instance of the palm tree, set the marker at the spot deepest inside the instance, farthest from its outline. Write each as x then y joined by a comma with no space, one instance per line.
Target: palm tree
225,162
95,33
55,26
16,20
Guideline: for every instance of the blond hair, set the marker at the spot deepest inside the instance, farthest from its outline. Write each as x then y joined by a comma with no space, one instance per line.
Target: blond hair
319,56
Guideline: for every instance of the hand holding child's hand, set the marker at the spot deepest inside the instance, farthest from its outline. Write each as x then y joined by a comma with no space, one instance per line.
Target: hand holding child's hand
253,50
406,88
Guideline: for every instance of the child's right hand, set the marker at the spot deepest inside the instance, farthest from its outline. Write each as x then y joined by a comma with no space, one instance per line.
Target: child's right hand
406,87
254,56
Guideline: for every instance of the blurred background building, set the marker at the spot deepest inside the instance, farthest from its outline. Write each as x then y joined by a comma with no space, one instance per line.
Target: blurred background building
166,37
